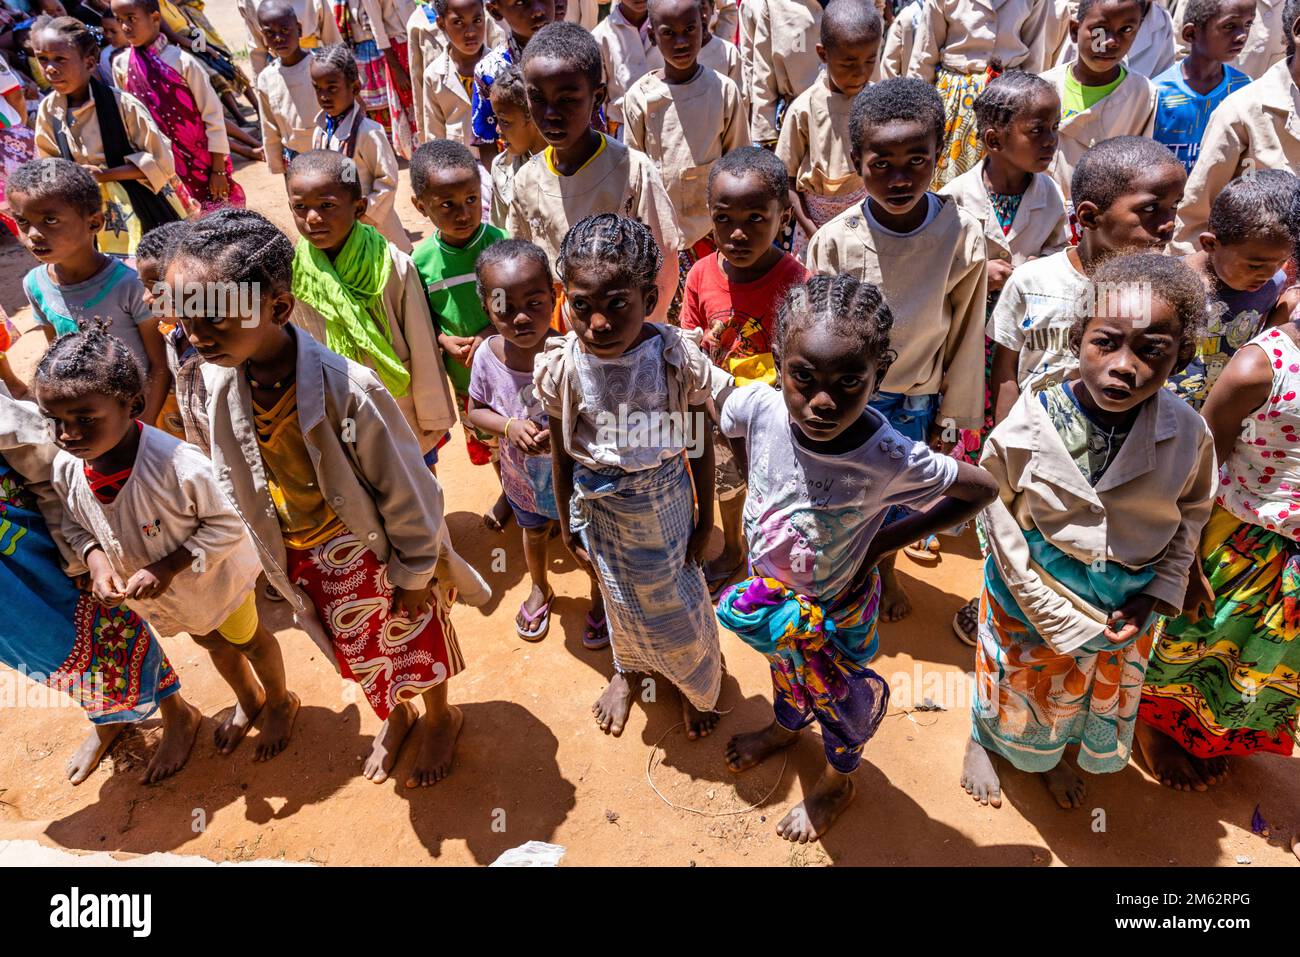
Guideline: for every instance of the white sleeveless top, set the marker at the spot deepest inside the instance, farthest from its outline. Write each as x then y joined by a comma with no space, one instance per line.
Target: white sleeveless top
1260,481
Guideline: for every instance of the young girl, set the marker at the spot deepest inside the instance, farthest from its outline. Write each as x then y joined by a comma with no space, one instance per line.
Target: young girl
826,468
519,135
626,401
108,131
176,90
1105,480
318,460
104,656
144,512
447,85
374,32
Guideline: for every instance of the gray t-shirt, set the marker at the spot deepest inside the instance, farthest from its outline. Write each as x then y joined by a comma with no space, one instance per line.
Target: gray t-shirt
115,294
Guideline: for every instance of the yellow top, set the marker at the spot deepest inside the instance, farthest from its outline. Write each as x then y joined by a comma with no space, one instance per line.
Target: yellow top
549,155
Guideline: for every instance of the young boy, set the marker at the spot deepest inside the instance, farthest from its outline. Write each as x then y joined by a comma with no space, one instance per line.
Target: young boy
583,172
732,296
315,20
518,133
717,53
1188,92
624,40
522,19
285,97
778,52
448,80
426,41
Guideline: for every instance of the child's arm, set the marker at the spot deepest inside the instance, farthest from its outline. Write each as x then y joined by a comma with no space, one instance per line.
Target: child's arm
16,386
763,93
430,392
272,142
378,157
1222,156
159,375
634,120
702,478
1003,385
153,154
524,434
562,479
927,48
1287,303
1008,339
433,123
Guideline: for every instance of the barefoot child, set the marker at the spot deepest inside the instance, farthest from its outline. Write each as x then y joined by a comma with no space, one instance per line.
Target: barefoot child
143,511
106,657
626,400
624,41
286,99
330,481
519,136
935,386
778,53
827,468
1105,480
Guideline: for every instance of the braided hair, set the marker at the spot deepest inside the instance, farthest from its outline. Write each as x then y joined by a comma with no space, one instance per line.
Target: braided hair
68,30
337,56
241,246
610,240
1006,96
159,244
850,308
504,251
91,360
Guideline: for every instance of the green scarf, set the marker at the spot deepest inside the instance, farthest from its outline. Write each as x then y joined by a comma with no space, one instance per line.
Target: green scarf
349,294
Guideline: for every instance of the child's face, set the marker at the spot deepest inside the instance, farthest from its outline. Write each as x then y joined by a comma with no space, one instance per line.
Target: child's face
515,127
747,218
283,34
524,17
678,31
324,210
334,94
66,69
88,425
850,61
637,8
113,33
1223,37
1106,33
151,278
453,201
607,310
139,28
52,229
1248,265
825,386
561,100
1029,141
897,162
1124,359
1143,217
226,340
519,300
464,25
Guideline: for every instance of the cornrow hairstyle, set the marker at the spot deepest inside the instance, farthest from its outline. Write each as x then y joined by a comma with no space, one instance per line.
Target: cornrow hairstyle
240,246
608,239
68,30
504,251
91,361
439,155
1106,172
337,56
1006,97
754,161
57,177
339,168
1256,206
1169,280
1290,14
898,98
570,44
159,244
850,308
849,21
508,90
1200,12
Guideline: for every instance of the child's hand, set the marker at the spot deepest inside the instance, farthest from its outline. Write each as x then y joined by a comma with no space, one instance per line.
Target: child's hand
999,272
107,588
218,183
940,439
699,541
575,548
1134,614
150,581
411,603
528,437
1199,600
458,347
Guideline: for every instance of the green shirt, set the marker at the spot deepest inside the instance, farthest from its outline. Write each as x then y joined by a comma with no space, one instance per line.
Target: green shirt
448,276
1079,97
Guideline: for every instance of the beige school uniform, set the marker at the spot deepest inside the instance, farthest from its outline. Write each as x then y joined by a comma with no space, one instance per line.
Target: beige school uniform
376,168
502,173
427,405
1148,508
585,13
425,43
938,320
1266,42
814,142
900,40
1040,228
778,53
685,128
80,126
314,17
1255,127
726,20
288,109
206,100
624,52
721,56
1130,110
618,180
962,36
447,106
1153,50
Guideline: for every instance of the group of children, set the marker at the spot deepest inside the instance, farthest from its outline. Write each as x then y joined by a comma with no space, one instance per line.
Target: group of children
654,281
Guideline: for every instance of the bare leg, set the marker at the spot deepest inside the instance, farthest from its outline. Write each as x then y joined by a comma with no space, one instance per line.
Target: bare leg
749,748
894,601
280,705
536,541
92,750
718,570
439,730
1167,761
383,754
249,694
812,817
180,724
979,776
612,707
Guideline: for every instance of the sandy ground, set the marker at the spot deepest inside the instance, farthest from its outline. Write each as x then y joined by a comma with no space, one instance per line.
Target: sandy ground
533,765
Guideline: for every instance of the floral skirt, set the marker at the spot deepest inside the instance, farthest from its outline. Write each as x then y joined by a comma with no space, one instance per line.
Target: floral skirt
961,145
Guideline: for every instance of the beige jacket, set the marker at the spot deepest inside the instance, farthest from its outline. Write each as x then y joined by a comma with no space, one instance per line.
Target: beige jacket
721,56
962,36
624,54
196,78
153,155
585,13
1147,508
1040,228
814,142
726,20
1256,127
1130,110
1154,48
425,43
446,105
288,109
1266,42
938,325
778,52
314,16
376,168
684,129
900,41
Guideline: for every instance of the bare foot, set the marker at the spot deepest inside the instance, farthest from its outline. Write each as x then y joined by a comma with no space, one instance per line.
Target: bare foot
437,748
497,517
750,748
388,742
1167,761
698,723
812,817
179,728
1212,770
979,776
276,728
231,731
612,707
718,571
1065,784
895,604
87,757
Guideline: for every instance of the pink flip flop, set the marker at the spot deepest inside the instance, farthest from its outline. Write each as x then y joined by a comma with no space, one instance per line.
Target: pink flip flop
539,622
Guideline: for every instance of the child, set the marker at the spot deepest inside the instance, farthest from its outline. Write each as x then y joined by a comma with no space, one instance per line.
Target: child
87,123
374,32
778,52
936,384
630,507
1100,98
315,21
900,41
1153,50
179,96
331,484
518,133
523,18
624,41
717,53
448,80
1243,257
426,41
827,469
59,212
1188,92
1105,480
814,141
958,44
362,297
106,657
115,43
1266,44
1250,130
684,116
343,126
732,296
286,99
143,511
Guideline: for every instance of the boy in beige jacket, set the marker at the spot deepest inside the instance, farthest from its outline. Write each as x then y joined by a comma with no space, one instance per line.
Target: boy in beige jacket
286,100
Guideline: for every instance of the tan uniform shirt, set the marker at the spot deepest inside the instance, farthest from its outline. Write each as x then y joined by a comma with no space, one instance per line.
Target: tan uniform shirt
1153,49
814,142
288,107
153,151
721,56
778,52
196,78
376,168
624,54
962,36
447,106
1040,228
900,40
1266,42
425,43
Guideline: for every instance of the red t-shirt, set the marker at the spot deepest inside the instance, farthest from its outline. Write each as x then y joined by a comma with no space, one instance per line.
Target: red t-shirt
738,318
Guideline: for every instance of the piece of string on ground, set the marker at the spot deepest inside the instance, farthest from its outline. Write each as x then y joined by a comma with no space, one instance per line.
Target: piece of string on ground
651,764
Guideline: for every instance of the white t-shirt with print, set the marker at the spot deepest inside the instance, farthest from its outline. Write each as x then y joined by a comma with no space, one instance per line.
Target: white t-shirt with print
1034,314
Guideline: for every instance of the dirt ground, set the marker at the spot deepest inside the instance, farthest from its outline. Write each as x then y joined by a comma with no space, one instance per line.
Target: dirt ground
533,765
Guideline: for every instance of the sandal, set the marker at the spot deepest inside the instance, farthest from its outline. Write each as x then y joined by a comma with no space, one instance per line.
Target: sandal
966,623
597,634
539,621
925,551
